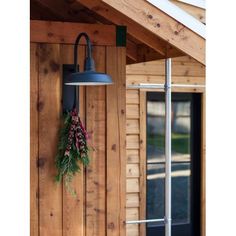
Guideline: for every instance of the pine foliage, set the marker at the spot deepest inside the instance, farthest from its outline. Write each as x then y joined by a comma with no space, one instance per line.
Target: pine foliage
72,149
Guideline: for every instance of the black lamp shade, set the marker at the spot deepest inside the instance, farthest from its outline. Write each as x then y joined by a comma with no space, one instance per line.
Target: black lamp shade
88,78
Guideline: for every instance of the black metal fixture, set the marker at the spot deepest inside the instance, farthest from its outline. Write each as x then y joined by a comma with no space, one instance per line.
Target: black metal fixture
89,76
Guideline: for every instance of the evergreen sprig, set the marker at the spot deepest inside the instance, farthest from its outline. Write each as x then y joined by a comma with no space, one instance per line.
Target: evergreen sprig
72,149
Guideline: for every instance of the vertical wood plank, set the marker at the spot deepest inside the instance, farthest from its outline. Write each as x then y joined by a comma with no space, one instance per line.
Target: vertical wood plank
34,140
203,166
49,106
82,104
142,165
73,207
116,133
95,174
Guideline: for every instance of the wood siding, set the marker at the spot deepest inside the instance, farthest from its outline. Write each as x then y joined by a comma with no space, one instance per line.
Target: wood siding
184,70
99,208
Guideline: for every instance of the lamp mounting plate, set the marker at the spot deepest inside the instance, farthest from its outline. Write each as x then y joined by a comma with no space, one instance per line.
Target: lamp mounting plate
69,93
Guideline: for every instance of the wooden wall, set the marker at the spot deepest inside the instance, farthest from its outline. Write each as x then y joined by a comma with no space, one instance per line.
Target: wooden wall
99,208
184,70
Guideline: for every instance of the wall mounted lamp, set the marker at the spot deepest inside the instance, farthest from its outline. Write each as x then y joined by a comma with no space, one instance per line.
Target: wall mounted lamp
89,76
72,76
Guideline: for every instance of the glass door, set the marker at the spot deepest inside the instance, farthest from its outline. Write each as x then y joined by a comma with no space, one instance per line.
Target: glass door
186,121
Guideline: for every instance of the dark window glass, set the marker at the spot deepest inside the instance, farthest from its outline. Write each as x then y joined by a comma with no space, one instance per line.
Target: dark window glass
183,130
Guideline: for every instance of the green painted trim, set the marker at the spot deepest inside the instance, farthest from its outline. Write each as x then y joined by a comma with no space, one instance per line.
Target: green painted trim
121,32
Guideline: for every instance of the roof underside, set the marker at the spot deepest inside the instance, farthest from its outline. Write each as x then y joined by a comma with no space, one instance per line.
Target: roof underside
151,33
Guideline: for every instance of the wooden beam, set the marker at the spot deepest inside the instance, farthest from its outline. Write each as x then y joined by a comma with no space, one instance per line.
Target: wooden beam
133,29
163,26
197,12
148,23
146,53
40,12
132,50
66,33
143,53
65,10
129,61
150,55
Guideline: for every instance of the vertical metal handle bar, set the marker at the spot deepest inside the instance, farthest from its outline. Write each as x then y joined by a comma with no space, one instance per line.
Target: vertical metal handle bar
168,147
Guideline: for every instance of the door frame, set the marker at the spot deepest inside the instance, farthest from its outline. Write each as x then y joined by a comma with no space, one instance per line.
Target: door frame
142,202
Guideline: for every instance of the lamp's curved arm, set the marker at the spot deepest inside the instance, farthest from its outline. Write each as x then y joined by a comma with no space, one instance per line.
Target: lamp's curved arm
88,47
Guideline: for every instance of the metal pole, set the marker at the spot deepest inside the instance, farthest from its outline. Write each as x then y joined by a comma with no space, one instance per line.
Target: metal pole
168,147
144,221
162,86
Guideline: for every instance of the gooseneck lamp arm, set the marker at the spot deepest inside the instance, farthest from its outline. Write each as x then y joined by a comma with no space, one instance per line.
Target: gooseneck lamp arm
89,61
88,76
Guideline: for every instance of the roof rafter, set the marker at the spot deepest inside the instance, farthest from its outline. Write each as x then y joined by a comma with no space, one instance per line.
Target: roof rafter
133,28
75,12
148,23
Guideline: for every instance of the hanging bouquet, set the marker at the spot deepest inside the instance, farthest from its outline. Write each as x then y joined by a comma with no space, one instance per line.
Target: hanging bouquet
72,149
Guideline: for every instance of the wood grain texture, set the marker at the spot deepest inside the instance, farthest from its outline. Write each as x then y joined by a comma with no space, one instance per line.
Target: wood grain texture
132,126
132,185
196,12
132,156
59,10
132,200
133,28
132,142
132,230
86,215
132,213
136,141
162,25
73,207
143,160
34,188
132,50
82,104
133,166
66,32
184,71
96,172
132,111
152,79
132,170
116,149
132,96
49,106
158,68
